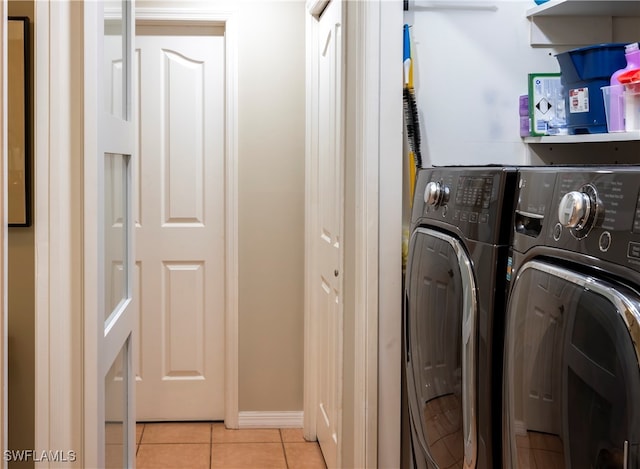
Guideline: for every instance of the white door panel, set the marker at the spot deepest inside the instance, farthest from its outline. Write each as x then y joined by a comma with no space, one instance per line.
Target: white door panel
109,320
180,228
328,240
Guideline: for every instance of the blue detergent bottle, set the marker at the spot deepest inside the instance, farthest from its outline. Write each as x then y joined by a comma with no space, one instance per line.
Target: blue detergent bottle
616,106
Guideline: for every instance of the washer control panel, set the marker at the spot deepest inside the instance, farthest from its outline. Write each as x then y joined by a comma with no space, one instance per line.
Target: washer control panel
474,192
594,211
470,198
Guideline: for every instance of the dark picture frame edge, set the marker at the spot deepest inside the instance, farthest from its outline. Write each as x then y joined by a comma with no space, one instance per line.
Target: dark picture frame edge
26,220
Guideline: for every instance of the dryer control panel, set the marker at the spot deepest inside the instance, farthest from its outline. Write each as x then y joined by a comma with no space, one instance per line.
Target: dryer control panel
475,201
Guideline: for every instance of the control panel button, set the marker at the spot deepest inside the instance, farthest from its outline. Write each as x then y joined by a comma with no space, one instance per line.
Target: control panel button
633,250
605,241
636,218
557,231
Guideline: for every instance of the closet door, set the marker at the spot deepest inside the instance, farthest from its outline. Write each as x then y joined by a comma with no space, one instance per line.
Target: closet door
327,257
109,156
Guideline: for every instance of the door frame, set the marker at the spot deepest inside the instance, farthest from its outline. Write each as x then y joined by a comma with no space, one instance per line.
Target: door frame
58,189
59,205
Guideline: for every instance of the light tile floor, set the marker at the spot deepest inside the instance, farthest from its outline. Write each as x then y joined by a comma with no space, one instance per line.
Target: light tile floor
211,446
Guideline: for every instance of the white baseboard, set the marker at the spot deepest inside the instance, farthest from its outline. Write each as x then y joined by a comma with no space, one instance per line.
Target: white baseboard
284,419
520,428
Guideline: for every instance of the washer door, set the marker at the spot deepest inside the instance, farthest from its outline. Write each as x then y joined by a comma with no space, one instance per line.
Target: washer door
440,338
572,380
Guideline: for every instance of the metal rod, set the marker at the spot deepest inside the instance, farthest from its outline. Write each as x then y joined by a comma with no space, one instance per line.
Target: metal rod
460,5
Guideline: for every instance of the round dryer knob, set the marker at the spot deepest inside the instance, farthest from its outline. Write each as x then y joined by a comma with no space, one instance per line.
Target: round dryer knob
436,193
574,209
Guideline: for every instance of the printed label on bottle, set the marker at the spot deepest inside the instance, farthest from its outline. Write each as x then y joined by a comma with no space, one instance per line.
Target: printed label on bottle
579,100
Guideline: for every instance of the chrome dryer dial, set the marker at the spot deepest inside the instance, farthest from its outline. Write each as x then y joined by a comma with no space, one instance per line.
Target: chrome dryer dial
574,209
436,193
580,211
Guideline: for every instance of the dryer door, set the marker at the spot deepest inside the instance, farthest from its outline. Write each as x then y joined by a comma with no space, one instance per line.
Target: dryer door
440,321
572,380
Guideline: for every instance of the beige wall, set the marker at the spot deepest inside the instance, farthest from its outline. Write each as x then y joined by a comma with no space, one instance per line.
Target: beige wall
271,136
22,310
271,64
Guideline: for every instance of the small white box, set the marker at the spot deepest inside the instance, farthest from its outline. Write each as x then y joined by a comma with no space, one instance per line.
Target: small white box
546,104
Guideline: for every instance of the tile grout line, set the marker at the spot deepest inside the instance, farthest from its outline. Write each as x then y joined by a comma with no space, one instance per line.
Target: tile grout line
138,443
284,451
211,446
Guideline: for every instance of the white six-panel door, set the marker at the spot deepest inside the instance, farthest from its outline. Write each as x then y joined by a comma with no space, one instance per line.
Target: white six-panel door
179,272
328,237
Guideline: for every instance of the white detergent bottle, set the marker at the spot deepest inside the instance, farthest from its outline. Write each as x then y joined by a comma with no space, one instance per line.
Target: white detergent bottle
616,98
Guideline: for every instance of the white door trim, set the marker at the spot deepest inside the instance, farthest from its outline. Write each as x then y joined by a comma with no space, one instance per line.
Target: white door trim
177,16
365,23
58,227
310,386
378,235
389,134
